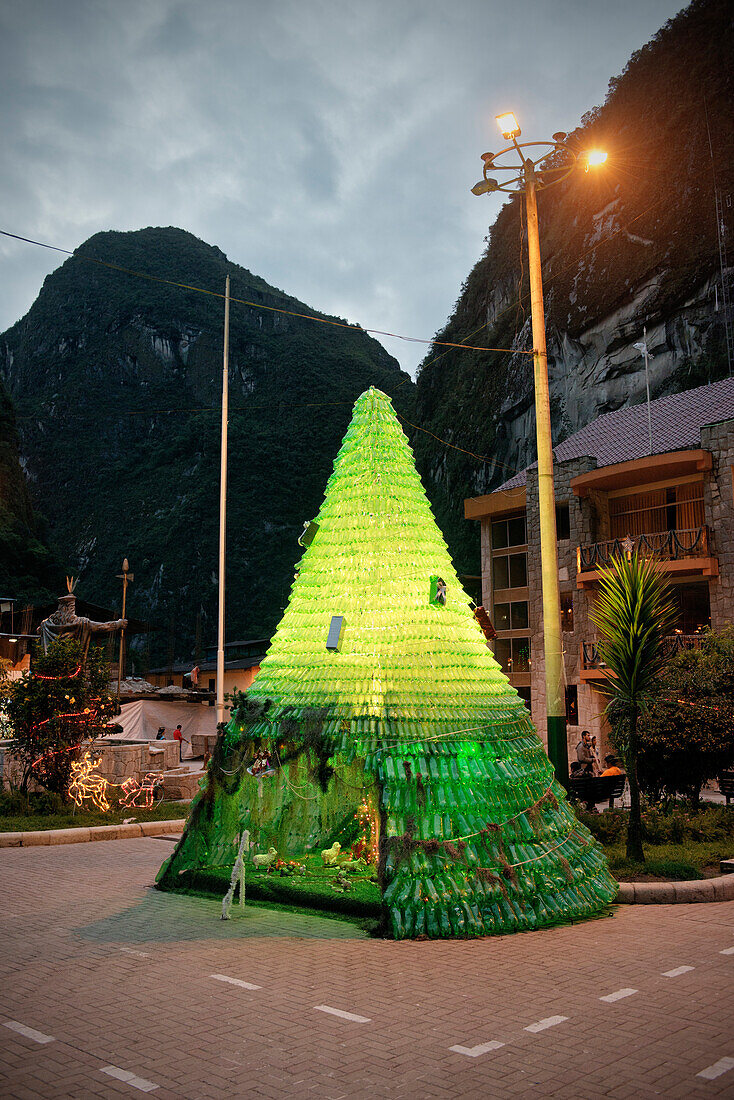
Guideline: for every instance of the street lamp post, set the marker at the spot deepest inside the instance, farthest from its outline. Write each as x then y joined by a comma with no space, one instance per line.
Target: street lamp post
531,175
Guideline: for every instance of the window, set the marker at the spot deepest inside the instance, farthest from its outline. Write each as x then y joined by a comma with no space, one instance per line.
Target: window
500,572
509,532
572,705
518,570
512,616
519,615
563,522
524,694
567,612
513,654
694,607
510,571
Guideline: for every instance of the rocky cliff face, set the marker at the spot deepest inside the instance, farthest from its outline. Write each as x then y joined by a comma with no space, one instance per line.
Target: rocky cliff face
117,384
27,569
633,245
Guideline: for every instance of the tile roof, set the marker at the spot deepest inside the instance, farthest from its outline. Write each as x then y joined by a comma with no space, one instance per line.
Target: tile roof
622,435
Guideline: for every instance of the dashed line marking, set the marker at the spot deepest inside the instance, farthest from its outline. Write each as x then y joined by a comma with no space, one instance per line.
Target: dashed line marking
129,1078
234,981
618,996
727,951
722,1066
343,1015
28,1032
549,1021
474,1052
131,951
677,972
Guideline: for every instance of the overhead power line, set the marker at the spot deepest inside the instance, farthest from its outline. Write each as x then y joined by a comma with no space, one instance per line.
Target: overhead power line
254,305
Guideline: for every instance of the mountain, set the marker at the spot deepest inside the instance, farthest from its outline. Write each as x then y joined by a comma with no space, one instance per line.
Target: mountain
28,572
117,385
629,245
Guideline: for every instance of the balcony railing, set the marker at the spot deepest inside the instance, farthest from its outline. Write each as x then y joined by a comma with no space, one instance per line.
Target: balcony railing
666,545
591,659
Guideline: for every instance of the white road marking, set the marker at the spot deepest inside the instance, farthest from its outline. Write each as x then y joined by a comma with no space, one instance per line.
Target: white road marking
129,1078
549,1021
727,951
677,972
234,981
722,1066
29,1032
474,1052
342,1015
130,951
618,996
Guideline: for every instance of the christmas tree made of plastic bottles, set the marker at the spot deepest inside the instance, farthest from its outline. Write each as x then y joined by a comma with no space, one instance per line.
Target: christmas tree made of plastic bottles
476,835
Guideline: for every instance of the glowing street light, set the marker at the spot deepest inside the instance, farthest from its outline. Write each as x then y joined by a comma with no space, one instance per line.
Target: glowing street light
529,176
509,126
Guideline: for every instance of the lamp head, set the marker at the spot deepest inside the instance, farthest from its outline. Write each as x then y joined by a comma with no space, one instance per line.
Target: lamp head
595,157
484,187
509,126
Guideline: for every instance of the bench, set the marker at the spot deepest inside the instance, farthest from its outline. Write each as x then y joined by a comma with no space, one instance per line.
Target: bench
597,788
726,785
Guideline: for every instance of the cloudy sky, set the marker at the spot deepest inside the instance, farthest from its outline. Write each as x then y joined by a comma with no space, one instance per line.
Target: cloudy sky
327,145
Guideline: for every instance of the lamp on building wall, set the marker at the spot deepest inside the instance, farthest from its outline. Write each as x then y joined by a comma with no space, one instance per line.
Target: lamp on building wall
555,162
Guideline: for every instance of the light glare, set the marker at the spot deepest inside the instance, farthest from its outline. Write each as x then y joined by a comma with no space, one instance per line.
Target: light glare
509,126
596,156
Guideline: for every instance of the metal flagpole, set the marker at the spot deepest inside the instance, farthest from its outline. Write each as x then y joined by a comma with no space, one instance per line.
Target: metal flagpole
223,509
643,348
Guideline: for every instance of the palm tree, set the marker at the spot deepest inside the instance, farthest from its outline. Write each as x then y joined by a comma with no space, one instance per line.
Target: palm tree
633,613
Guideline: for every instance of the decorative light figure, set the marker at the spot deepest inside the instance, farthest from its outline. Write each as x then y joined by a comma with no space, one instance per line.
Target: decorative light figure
86,785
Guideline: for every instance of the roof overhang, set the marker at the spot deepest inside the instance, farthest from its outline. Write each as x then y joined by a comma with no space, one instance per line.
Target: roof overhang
499,503
641,471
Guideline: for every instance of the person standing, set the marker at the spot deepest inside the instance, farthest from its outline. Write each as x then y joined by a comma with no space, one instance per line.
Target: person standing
178,736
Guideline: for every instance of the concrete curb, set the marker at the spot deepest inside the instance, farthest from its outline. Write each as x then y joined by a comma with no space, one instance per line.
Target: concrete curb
630,893
93,832
674,893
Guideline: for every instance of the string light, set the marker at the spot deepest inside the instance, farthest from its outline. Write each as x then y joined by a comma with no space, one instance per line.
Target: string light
87,784
145,788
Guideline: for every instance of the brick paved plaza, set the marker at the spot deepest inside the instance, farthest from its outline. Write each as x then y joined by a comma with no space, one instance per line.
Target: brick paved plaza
112,989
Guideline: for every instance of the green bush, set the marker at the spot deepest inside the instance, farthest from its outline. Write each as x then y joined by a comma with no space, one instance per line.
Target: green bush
675,825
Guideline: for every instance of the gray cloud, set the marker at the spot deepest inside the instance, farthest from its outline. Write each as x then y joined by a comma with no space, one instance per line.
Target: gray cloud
327,145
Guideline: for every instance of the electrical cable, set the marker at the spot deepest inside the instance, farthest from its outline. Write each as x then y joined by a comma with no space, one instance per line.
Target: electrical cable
245,302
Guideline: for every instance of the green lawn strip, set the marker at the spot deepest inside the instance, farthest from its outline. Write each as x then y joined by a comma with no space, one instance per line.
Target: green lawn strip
671,862
33,822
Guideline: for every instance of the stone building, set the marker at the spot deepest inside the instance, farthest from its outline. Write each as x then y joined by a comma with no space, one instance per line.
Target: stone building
663,482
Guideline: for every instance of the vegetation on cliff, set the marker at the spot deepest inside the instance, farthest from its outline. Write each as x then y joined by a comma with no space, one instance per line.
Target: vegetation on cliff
646,220
117,385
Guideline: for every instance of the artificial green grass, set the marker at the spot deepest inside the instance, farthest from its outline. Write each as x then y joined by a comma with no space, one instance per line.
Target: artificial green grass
65,819
314,890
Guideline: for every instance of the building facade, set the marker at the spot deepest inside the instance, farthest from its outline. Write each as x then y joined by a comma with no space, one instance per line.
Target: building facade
613,494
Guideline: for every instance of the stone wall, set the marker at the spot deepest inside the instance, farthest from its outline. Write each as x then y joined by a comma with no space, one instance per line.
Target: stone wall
118,762
719,512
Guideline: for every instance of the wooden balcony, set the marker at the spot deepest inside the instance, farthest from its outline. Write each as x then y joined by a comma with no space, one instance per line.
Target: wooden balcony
592,667
688,552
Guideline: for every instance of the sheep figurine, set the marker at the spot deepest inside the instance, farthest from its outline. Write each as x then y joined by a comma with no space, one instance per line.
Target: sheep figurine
263,862
331,855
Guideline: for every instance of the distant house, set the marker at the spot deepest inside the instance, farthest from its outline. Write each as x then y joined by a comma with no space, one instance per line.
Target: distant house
241,665
612,493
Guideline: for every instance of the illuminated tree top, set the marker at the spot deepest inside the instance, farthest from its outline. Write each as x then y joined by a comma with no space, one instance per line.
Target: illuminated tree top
377,559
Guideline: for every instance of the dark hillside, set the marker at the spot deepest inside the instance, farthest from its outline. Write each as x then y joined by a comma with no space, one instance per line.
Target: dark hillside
27,570
650,212
117,383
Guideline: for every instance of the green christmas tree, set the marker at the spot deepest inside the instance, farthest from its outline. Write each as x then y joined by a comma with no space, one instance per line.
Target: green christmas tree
379,684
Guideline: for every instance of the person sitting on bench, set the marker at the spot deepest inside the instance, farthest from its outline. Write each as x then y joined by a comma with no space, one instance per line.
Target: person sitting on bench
612,765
